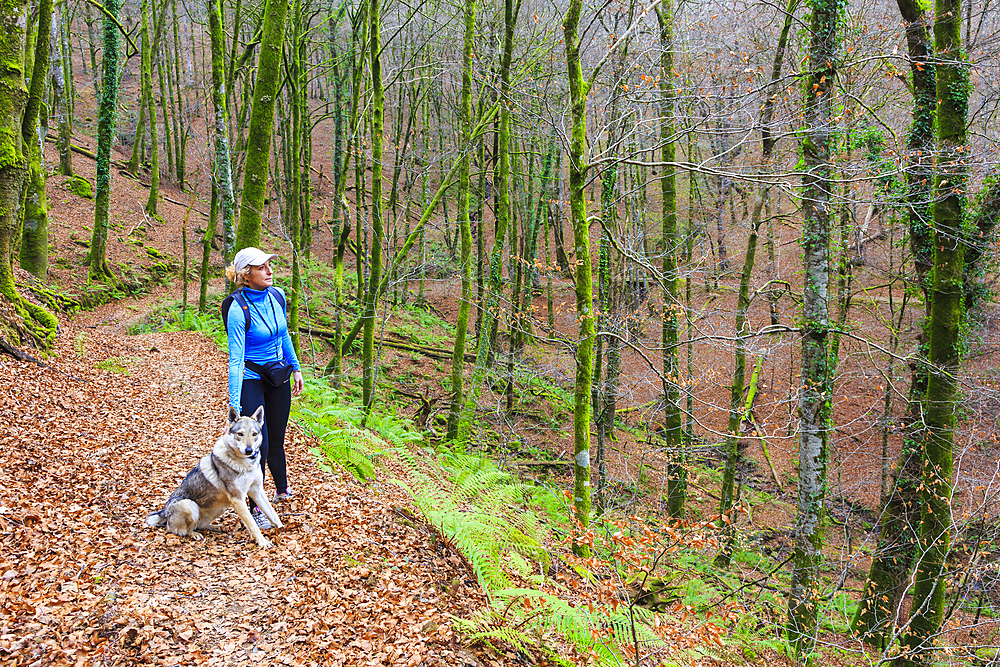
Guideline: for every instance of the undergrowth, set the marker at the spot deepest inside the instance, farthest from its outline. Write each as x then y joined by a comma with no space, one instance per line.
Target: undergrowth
174,318
645,592
514,535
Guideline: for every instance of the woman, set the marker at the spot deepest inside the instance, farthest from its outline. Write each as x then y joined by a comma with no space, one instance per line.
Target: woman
259,356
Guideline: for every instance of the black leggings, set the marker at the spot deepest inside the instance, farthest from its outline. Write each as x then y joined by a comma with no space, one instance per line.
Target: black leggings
277,401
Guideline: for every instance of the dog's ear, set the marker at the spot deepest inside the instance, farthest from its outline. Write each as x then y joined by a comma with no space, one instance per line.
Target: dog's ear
233,415
258,416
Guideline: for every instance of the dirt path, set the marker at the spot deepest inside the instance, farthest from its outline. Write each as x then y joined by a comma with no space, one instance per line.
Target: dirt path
98,439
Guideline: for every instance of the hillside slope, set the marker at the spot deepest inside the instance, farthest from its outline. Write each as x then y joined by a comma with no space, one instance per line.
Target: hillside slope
98,439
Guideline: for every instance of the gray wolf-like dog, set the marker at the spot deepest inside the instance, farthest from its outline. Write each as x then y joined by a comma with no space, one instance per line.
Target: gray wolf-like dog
222,479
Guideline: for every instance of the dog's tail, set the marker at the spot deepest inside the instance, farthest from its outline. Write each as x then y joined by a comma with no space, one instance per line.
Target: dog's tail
158,518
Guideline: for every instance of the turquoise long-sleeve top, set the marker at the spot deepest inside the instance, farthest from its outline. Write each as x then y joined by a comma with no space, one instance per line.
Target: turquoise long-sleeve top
266,340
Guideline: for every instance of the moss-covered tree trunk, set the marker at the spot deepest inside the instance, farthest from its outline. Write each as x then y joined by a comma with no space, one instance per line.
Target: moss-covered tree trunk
491,309
378,228
611,315
180,120
578,89
465,229
336,83
147,87
304,131
140,133
606,314
161,56
536,205
293,205
953,87
258,154
892,563
480,237
342,158
39,324
727,495
814,401
672,429
60,101
206,249
107,123
222,175
503,225
34,252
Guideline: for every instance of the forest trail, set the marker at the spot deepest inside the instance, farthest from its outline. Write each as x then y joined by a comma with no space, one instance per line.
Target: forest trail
99,438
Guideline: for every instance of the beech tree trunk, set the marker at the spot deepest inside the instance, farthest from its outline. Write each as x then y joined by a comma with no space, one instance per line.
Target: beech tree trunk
258,154
578,89
672,429
61,102
39,323
814,401
293,206
34,253
494,287
150,101
222,176
892,563
953,87
465,229
378,228
107,122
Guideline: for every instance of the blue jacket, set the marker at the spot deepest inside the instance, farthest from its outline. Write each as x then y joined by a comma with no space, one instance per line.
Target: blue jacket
267,340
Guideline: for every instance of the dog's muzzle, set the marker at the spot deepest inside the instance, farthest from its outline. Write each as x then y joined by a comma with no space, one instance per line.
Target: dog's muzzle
251,452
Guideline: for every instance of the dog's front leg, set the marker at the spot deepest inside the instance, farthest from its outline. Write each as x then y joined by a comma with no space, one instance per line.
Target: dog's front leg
257,493
240,505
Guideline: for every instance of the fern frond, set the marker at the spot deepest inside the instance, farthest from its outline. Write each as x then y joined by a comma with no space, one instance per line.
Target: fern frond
394,430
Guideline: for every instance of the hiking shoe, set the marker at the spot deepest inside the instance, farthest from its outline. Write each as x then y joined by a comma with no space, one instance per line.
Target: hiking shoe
261,520
284,495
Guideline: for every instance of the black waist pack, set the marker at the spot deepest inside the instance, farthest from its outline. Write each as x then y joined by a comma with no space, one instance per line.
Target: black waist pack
275,373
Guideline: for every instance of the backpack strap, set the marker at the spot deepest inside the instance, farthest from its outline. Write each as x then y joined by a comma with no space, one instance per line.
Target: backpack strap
280,299
242,301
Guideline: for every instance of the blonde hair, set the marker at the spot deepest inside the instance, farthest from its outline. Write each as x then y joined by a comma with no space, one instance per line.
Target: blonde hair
240,278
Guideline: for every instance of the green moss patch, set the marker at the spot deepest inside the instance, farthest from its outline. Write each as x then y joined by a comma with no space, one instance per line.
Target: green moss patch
79,186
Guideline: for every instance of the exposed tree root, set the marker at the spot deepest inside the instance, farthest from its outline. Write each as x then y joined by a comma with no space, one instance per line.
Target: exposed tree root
7,348
27,321
101,274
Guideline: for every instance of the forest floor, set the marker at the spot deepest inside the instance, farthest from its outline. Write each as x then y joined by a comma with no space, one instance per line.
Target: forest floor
98,437
101,434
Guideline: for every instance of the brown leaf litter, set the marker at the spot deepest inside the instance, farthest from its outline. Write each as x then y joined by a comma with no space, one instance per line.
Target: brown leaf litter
98,439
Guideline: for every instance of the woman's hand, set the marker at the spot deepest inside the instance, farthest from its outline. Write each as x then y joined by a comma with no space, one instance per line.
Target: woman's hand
296,383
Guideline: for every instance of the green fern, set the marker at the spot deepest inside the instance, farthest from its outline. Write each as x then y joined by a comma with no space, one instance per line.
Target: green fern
347,447
394,430
477,535
523,625
482,511
173,318
507,625
333,423
322,413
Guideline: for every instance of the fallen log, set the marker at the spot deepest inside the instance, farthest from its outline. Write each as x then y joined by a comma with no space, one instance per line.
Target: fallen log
542,464
74,148
433,353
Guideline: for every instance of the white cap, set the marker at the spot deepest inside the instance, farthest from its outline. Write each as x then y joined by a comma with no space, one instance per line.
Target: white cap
250,257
